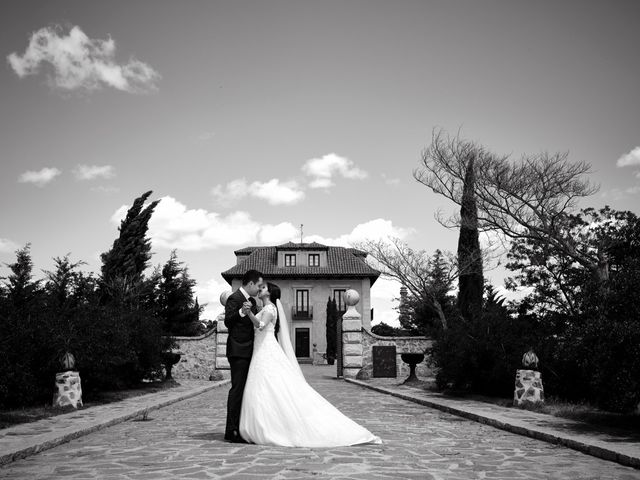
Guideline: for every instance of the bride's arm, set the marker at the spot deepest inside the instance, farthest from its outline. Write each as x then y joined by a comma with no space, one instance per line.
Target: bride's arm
267,318
256,323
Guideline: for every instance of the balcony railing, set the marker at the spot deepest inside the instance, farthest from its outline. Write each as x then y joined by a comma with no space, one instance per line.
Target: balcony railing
298,313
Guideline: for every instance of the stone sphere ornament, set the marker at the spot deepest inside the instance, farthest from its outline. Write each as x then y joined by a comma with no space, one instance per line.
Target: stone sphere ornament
224,296
351,298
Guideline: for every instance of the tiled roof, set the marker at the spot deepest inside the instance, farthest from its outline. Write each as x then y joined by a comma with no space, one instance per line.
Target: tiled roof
301,246
245,251
341,262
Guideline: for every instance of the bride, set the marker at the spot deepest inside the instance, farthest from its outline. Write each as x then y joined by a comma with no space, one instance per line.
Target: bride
279,407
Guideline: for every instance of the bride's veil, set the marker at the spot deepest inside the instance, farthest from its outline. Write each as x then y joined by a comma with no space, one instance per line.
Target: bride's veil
285,340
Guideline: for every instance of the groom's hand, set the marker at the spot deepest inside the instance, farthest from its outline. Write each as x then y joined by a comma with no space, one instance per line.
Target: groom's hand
246,307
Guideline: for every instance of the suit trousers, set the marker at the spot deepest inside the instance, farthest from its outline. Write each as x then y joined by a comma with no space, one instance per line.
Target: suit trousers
239,370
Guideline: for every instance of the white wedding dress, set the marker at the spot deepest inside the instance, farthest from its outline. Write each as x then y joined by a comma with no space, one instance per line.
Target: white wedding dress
280,408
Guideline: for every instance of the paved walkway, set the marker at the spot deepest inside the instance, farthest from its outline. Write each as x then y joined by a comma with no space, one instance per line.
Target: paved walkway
33,437
184,440
618,445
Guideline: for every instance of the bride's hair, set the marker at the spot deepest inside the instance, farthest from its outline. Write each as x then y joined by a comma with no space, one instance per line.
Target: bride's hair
274,291
274,295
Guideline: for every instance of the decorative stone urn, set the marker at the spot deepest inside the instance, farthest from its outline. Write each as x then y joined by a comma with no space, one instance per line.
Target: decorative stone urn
68,390
528,387
412,359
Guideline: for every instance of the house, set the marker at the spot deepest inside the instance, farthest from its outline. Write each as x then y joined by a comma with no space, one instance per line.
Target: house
308,274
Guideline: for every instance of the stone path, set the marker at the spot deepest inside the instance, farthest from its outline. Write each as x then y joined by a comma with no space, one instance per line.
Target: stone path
29,438
622,446
184,440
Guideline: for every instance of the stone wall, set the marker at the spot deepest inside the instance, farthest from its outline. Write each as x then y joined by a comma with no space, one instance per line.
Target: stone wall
403,345
198,358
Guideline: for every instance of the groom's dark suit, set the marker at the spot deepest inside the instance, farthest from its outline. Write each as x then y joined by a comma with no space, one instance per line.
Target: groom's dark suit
239,351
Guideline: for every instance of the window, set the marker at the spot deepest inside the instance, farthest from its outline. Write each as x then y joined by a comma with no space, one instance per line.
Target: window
338,296
302,301
290,260
314,259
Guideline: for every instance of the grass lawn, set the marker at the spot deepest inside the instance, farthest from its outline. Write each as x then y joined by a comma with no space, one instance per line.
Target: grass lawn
9,418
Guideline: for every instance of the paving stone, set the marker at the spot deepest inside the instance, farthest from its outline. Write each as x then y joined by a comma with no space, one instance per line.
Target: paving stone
185,440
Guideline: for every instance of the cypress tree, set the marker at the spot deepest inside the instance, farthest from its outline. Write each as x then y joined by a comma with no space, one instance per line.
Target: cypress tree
124,264
471,281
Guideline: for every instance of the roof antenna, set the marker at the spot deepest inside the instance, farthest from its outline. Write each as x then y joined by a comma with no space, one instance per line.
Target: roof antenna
301,225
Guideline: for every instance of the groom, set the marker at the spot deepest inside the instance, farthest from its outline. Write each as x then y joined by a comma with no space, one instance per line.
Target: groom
239,346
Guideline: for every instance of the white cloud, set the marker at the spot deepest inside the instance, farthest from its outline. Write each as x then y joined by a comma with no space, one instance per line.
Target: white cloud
383,293
39,177
277,234
323,169
209,293
7,246
205,136
277,193
390,181
378,229
108,189
91,172
173,225
79,62
273,191
631,158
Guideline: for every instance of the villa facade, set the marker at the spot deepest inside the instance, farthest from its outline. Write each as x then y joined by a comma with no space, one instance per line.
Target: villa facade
308,274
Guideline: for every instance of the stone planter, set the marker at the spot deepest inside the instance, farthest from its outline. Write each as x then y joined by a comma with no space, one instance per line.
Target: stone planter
528,387
68,390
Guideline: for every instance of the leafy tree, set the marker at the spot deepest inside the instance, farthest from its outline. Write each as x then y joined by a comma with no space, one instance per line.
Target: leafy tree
386,330
413,269
179,311
21,289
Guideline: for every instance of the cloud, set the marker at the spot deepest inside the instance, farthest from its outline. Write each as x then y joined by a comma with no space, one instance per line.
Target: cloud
173,225
390,181
205,136
40,177
323,169
274,191
378,229
631,158
7,246
383,293
91,172
209,293
79,62
620,193
106,189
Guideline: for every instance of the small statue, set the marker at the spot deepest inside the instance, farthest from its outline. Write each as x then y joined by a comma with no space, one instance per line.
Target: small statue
530,360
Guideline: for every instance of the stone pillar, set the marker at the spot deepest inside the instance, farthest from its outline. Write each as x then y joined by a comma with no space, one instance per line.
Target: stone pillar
222,362
351,336
68,390
528,387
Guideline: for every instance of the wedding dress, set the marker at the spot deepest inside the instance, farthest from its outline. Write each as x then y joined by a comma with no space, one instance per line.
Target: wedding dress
279,407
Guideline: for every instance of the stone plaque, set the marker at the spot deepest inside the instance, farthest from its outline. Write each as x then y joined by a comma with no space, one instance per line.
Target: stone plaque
384,361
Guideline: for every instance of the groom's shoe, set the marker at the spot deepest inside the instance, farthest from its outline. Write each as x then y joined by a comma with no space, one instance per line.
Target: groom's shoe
235,438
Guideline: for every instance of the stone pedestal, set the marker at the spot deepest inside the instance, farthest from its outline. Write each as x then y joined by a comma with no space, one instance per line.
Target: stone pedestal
351,337
528,387
68,390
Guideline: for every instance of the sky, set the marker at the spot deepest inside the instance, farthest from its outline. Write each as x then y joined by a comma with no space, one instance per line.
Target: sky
247,119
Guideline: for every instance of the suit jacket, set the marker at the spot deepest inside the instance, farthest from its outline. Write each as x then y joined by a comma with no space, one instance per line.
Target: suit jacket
240,338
